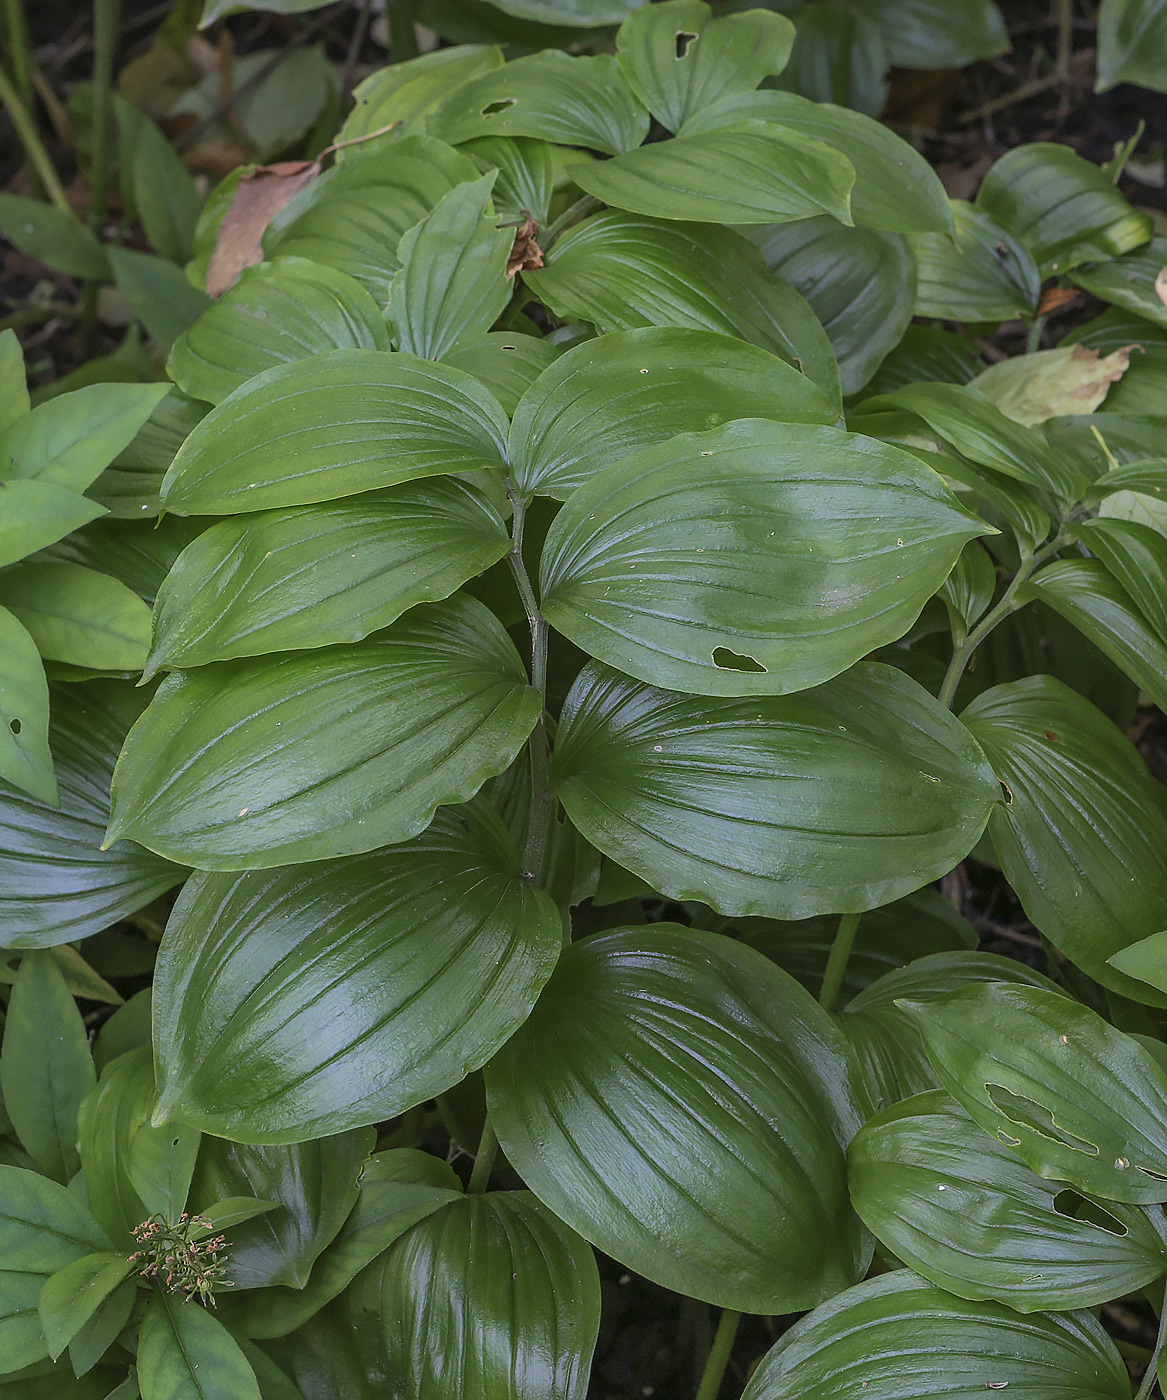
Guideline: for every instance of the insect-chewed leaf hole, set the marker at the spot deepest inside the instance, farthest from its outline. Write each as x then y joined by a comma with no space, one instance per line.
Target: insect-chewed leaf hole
1036,1118
732,661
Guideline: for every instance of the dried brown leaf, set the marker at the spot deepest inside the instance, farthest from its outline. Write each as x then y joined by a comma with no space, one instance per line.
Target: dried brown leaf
259,197
526,255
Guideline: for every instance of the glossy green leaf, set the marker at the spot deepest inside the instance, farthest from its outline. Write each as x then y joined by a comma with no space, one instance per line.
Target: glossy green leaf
927,352
749,172
309,576
491,1295
184,1352
620,271
52,236
1086,594
1132,41
161,1163
895,187
78,615
1082,836
340,751
1129,281
860,284
526,177
736,562
409,92
138,558
159,295
579,13
679,59
614,395
314,998
1078,1101
25,761
958,1207
43,1227
567,101
751,805
683,1103
12,379
73,1294
95,1337
506,364
1136,556
1066,210
38,513
22,1342
452,283
968,590
985,275
935,34
70,440
128,487
157,187
277,312
902,1337
58,885
334,425
315,1186
838,56
111,1114
45,1066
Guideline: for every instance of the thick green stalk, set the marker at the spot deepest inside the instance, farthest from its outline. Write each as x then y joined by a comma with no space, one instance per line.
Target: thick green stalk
20,54
483,1159
837,960
719,1354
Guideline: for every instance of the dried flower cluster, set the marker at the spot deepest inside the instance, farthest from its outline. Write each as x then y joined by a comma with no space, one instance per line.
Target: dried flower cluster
182,1264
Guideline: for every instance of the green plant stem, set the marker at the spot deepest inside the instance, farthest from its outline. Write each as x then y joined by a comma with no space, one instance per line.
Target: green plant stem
1148,1384
18,48
719,1355
1033,340
483,1159
34,149
402,34
584,205
33,315
837,960
107,15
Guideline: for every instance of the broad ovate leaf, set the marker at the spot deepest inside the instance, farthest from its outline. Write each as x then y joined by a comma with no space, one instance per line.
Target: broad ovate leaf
335,424
1071,379
408,92
902,1337
186,1351
611,396
841,798
756,558
1077,1100
684,1104
957,1206
1132,41
1134,281
327,753
298,1002
78,615
980,273
26,763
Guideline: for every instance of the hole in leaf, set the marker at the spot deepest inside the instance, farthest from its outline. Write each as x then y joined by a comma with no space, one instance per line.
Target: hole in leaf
492,109
1036,1118
15,725
1075,1207
731,661
1007,794
1155,1176
684,41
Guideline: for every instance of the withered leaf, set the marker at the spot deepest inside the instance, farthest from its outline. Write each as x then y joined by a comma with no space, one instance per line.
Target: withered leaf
259,196
526,255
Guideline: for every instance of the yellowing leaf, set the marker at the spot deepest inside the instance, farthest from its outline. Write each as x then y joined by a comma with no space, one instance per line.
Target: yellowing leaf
1072,379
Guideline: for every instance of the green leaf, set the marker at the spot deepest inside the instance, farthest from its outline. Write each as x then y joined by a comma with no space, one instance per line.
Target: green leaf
184,1352
1136,556
45,1067
968,590
58,885
158,293
111,1114
736,562
580,13
789,835
958,1207
679,59
277,313
591,106
13,389
73,1294
838,56
1145,960
127,1029
1078,1101
315,1185
397,1189
1086,594
21,1341
78,615
70,440
927,352
1129,281
1082,836
25,760
620,271
621,392
903,1337
515,1286
452,283
334,425
526,175
935,34
1132,39
97,1335
506,364
748,172
684,1104
309,576
859,282
129,485
409,92
157,186
895,187
1066,210
51,236
43,1227
340,750
984,275
1070,380
161,1162
302,1001
36,514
